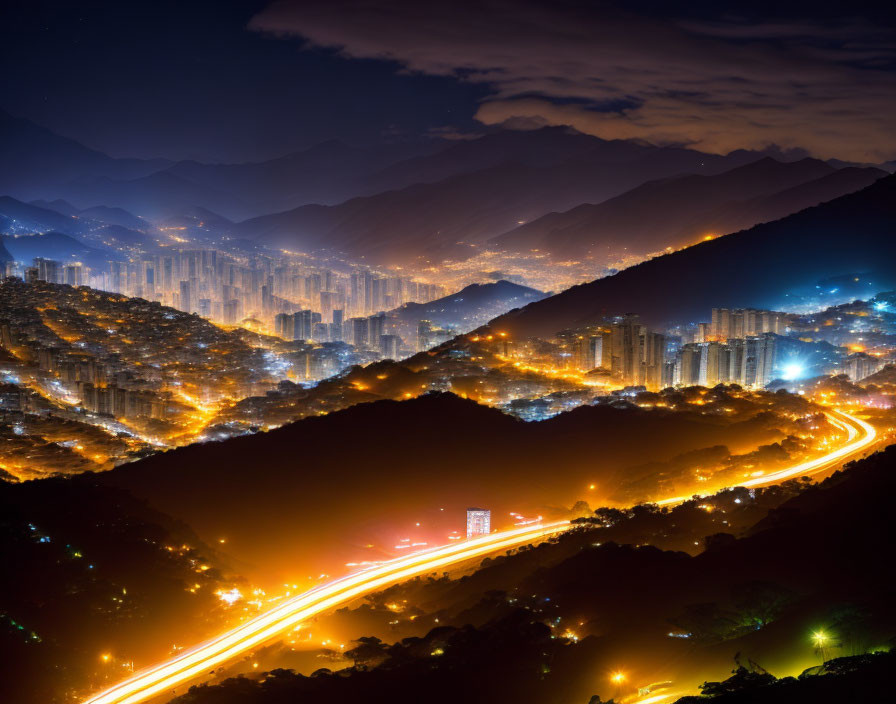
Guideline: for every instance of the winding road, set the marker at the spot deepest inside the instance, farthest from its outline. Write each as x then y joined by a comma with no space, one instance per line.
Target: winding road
190,664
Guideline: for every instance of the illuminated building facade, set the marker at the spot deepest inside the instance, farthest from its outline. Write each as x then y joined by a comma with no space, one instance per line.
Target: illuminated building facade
748,362
637,355
479,522
744,322
860,365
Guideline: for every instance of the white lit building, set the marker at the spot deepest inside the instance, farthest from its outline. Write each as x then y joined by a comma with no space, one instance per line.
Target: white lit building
479,522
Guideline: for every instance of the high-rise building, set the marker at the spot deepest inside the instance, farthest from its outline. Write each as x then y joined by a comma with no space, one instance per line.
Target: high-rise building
284,325
479,522
637,354
303,325
424,332
702,334
359,331
584,349
743,322
720,327
709,364
185,297
687,366
626,360
601,350
376,328
668,376
653,355
327,304
759,360
772,322
232,311
747,361
765,358
389,345
75,274
337,328
47,270
736,352
861,364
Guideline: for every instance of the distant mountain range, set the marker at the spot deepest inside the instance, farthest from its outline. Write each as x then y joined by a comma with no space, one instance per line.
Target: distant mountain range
453,216
53,245
849,238
94,232
680,211
551,189
64,232
99,213
59,215
44,165
551,147
467,309
38,162
17,216
326,173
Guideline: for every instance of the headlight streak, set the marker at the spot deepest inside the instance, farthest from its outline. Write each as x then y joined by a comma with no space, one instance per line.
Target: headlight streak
148,683
263,628
852,446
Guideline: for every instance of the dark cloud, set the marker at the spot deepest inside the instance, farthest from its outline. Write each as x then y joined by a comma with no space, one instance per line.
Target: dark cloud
187,79
451,132
820,83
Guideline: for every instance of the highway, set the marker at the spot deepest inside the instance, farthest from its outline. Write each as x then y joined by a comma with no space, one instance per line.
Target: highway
859,437
188,665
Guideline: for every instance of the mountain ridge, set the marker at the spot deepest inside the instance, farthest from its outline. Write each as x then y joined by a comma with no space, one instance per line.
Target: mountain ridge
678,211
213,480
467,308
451,217
849,235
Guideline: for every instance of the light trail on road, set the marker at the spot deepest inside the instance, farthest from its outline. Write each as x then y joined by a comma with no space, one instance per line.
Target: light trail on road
152,682
853,426
186,666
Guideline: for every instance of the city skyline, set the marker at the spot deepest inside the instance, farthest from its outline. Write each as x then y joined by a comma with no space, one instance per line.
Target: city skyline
533,352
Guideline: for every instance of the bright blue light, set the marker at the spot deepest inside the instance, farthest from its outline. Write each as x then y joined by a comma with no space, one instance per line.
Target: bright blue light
881,305
792,371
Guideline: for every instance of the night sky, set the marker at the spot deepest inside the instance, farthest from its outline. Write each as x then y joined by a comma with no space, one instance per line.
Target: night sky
220,80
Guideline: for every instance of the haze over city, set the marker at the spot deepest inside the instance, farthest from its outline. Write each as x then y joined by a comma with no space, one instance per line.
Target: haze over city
533,352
